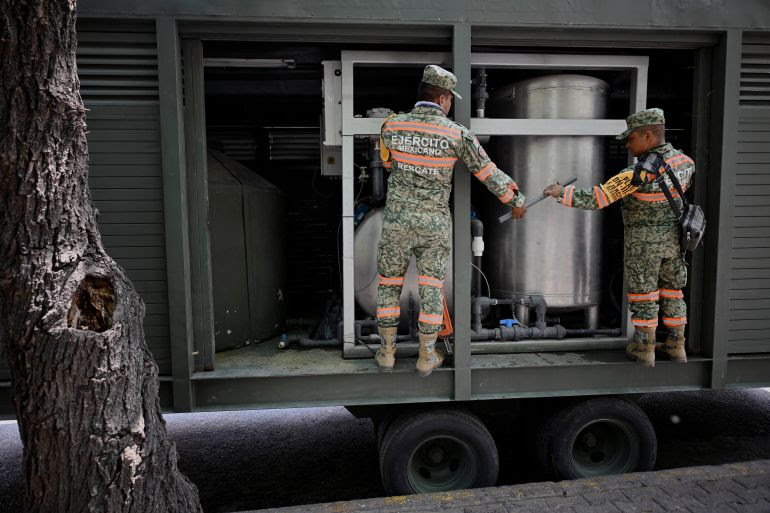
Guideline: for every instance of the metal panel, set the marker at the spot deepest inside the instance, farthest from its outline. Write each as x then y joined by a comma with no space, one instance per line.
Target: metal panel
682,15
749,319
119,83
175,204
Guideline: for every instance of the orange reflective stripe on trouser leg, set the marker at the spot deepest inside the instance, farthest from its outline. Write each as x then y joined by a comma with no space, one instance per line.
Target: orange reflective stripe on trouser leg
430,281
434,319
394,311
396,281
674,321
671,293
647,296
649,323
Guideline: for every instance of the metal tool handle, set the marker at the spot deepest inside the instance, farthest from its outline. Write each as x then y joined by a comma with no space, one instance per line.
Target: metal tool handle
509,215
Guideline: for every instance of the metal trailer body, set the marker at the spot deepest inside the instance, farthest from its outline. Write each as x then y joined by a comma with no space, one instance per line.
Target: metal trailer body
142,68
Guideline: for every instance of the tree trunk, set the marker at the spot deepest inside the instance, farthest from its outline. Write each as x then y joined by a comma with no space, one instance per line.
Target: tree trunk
85,386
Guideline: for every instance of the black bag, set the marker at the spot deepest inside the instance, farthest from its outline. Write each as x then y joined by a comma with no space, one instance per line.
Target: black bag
691,217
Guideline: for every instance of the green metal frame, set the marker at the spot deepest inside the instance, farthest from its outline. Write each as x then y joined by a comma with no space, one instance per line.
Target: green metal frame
197,191
175,212
506,24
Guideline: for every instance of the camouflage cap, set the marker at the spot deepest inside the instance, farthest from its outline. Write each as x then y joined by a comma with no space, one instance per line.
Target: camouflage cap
439,77
642,118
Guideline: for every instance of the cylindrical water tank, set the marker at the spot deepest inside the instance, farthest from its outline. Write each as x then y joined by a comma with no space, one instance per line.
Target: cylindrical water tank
555,251
366,278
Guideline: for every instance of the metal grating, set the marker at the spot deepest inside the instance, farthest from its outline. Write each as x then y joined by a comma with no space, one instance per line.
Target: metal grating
118,68
749,315
755,74
294,142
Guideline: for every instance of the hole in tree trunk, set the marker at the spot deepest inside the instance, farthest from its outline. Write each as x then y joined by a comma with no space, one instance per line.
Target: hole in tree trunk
92,305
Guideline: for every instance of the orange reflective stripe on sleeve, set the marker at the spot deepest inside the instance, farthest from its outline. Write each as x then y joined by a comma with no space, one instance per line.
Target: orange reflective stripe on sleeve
601,198
508,196
671,293
649,323
485,172
567,194
414,126
674,321
435,319
429,281
679,159
389,312
648,296
391,281
422,160
387,164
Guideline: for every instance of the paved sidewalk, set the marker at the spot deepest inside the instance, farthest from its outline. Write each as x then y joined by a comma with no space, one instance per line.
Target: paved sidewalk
733,488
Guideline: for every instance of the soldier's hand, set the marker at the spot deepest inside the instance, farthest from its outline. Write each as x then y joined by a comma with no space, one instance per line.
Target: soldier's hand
518,212
553,190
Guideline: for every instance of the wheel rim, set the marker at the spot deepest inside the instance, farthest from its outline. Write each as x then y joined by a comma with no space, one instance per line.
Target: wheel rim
441,463
605,446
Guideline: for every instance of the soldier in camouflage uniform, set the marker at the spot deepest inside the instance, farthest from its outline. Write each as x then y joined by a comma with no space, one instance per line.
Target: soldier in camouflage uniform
420,148
654,267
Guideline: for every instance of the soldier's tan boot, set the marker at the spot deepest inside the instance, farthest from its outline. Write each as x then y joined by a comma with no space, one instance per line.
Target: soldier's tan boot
386,354
674,345
430,357
642,349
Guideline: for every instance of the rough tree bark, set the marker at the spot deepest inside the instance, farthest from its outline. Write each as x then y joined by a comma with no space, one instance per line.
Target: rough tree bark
84,384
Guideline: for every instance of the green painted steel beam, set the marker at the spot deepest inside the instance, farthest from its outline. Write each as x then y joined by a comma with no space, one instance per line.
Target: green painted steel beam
197,190
175,212
719,250
461,246
682,15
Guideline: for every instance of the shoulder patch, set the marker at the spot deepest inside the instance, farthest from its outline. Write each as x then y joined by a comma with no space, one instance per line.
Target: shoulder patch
480,149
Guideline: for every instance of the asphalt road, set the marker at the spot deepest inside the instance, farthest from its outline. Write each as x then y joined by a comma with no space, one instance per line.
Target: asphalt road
260,459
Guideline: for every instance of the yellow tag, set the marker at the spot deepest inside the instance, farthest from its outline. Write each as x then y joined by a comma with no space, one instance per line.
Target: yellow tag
619,186
384,152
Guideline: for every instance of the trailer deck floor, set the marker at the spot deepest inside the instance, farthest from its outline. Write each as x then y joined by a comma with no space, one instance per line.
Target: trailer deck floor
266,360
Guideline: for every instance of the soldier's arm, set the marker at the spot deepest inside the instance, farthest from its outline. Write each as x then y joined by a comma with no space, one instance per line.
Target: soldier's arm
599,196
469,150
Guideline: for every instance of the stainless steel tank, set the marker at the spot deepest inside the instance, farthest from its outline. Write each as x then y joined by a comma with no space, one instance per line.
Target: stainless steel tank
555,251
367,237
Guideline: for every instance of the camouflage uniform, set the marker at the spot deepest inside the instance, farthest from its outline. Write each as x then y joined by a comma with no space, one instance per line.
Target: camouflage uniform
421,148
653,261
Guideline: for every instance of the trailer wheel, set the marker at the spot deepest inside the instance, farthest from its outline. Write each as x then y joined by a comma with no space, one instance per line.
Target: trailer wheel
595,438
437,450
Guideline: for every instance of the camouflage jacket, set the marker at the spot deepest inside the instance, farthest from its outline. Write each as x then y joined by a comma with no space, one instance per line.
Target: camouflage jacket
421,148
642,206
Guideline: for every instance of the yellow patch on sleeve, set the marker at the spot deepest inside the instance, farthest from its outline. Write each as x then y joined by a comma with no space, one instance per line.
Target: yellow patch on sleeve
619,186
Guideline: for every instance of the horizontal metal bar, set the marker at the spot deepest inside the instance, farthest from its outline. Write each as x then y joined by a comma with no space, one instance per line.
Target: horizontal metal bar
488,126
364,58
549,61
223,62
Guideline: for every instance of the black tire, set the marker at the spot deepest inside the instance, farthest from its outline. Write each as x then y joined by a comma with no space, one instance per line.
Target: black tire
597,437
437,450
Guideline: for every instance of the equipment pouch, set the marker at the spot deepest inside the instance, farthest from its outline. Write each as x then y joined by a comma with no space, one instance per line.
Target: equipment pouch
691,217
693,226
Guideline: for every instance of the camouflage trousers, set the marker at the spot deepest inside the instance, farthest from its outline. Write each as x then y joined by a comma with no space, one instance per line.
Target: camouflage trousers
655,274
427,237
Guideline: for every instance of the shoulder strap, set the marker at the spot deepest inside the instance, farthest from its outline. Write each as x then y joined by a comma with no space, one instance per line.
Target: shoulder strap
660,180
